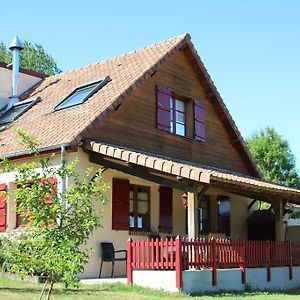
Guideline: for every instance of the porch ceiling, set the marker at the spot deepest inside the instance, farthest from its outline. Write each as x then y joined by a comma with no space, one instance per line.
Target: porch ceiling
231,181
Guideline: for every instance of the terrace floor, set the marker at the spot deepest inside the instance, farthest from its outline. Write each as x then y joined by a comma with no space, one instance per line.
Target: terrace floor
104,280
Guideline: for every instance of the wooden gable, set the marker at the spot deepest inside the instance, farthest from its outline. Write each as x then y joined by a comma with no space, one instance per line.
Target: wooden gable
133,124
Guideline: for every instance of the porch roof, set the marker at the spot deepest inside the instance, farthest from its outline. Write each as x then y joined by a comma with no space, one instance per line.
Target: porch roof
232,181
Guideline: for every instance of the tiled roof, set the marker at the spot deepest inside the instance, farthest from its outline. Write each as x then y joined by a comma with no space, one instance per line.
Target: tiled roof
194,172
68,126
127,72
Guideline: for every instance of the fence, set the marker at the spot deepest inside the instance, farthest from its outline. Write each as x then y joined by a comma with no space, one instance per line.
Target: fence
181,254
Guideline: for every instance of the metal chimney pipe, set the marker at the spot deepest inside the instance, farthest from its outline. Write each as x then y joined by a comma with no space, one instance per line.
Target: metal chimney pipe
15,46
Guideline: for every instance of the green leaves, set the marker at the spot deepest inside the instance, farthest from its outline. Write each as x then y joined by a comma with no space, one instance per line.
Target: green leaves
275,160
274,157
32,57
59,222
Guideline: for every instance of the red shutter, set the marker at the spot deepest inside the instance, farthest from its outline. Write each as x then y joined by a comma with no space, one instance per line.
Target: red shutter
199,121
120,204
2,207
165,209
52,182
163,108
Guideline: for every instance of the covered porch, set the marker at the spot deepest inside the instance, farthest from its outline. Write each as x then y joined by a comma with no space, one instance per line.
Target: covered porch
194,186
259,264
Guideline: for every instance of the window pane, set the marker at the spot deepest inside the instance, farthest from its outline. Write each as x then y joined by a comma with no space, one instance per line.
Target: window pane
77,97
142,195
179,105
142,207
180,129
131,220
224,208
180,117
13,113
172,127
171,103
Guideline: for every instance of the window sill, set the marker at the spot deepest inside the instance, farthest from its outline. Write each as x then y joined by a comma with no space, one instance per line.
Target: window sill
180,136
137,232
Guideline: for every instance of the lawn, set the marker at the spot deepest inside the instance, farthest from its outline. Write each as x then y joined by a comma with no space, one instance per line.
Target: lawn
17,289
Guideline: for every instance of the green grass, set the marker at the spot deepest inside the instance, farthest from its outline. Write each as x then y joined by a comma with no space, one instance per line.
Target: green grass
18,289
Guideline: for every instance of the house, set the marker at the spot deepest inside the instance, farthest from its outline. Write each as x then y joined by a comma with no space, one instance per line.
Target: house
156,125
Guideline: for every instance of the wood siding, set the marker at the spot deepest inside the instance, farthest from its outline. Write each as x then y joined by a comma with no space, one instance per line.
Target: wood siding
133,124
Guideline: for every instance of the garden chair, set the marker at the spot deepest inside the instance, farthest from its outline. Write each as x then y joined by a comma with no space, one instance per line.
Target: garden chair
108,254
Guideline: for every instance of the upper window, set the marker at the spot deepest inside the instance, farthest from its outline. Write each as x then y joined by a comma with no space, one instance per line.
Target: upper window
172,112
81,93
177,116
17,110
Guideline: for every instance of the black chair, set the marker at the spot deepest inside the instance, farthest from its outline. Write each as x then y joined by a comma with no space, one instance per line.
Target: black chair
108,254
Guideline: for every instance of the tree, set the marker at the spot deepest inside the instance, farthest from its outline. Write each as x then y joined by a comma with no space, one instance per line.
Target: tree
274,157
53,244
32,57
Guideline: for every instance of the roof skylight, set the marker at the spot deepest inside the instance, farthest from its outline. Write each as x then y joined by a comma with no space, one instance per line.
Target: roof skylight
17,110
81,93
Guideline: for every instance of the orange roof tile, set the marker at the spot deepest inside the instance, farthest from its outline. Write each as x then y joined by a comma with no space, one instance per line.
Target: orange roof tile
188,170
69,125
127,72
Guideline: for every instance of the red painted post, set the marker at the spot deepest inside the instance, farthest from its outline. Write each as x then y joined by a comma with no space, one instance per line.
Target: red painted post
178,262
268,260
148,254
243,260
152,254
143,264
156,245
172,253
213,261
290,261
129,267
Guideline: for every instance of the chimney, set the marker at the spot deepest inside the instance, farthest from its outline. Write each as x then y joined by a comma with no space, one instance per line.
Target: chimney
15,47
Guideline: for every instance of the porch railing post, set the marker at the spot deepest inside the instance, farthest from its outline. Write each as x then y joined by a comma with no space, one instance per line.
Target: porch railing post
213,245
290,261
243,260
129,261
268,259
178,262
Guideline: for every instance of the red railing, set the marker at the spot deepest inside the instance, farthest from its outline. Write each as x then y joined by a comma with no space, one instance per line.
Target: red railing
181,254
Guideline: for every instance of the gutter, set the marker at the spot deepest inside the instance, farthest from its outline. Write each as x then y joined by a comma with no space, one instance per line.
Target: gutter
42,149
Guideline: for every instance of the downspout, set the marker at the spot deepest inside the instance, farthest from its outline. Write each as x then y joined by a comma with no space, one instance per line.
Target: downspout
63,162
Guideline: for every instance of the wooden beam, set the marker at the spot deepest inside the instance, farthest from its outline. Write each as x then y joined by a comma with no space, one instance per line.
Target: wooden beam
137,171
251,204
201,193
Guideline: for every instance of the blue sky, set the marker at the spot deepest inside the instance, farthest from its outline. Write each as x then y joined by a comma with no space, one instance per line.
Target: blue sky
250,48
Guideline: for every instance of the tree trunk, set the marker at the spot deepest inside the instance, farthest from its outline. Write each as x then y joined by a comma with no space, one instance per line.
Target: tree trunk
43,290
50,288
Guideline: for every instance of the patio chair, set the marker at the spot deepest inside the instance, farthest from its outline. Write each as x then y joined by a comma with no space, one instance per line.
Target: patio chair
217,235
108,254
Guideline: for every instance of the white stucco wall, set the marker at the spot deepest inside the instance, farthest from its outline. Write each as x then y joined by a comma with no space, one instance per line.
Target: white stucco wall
119,238
200,281
157,279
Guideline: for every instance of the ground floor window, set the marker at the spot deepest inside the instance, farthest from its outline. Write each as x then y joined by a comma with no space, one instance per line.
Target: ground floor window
139,207
131,207
204,219
224,214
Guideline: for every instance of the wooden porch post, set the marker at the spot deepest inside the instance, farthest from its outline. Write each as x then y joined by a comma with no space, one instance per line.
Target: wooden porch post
279,223
192,215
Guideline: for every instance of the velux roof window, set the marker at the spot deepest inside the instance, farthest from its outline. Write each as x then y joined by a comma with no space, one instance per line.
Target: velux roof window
17,110
81,93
